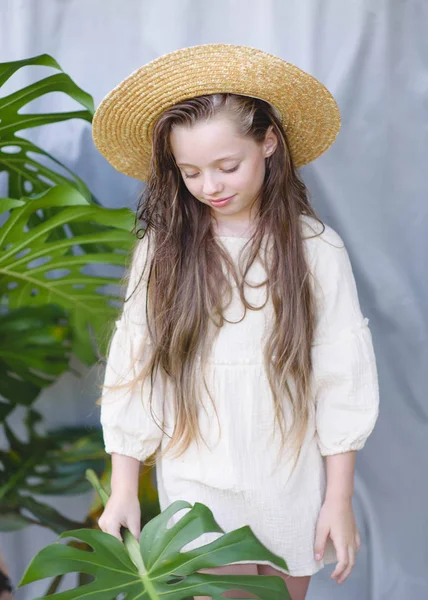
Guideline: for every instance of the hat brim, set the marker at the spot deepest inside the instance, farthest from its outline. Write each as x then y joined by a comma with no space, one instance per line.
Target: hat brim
123,123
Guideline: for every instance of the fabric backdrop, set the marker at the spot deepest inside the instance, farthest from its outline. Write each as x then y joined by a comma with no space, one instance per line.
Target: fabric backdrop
371,187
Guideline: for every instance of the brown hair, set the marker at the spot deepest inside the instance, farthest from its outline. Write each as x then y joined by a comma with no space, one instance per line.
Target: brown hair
186,285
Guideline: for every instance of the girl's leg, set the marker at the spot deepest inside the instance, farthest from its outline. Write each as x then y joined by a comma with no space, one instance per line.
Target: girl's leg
250,569
297,586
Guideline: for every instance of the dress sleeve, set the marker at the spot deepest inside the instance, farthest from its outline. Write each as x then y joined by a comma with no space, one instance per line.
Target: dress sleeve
130,426
344,365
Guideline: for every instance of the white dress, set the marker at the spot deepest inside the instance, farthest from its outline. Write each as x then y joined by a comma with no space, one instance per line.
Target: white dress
237,473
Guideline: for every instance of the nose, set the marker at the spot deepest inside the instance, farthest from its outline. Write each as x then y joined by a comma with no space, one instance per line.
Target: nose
211,185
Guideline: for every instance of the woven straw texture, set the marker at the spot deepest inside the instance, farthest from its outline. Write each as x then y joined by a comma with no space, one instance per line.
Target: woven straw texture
124,120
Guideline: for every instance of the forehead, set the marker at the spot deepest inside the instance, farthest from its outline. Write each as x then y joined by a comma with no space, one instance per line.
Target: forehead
205,142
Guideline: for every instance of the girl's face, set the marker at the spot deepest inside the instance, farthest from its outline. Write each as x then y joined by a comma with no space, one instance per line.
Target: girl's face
220,168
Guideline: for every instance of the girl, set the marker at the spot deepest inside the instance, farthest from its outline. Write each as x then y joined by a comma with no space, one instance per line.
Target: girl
241,358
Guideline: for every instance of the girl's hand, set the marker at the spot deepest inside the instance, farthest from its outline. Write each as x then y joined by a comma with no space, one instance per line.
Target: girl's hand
337,520
122,510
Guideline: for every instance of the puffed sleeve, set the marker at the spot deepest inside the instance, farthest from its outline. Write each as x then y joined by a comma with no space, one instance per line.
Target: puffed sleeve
344,365
130,426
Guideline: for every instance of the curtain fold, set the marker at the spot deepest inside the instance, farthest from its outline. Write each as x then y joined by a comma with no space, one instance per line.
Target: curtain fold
371,186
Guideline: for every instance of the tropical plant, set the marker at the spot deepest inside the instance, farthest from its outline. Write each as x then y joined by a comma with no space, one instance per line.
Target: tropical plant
51,305
159,566
34,351
26,164
56,302
37,268
45,465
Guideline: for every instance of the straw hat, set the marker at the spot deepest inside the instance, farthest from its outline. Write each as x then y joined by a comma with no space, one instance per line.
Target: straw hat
123,122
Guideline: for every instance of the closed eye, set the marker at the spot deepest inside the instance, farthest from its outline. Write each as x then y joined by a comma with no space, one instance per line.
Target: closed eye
232,170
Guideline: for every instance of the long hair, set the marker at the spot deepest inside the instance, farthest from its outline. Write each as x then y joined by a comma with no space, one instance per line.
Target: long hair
187,287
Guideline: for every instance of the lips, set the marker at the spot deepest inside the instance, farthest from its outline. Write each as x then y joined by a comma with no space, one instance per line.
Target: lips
219,200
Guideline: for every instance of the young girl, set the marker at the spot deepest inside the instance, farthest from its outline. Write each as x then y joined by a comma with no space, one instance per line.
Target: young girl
241,357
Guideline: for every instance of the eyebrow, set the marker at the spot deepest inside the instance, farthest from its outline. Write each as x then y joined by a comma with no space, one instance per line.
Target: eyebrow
231,156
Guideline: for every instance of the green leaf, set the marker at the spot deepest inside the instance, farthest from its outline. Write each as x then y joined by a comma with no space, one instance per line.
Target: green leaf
160,569
54,464
33,351
25,174
8,203
14,389
5,410
37,269
11,517
47,515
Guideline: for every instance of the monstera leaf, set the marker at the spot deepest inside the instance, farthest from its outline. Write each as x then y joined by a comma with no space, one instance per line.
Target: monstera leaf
25,163
157,567
51,464
37,269
33,352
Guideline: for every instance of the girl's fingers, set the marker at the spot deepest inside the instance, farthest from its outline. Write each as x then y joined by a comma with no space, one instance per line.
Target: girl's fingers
358,541
343,562
321,540
347,572
113,530
134,528
116,532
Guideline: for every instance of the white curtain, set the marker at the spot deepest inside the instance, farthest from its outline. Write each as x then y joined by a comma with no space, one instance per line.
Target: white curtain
371,187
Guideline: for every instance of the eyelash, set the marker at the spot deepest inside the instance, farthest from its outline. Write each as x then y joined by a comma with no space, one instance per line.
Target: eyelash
224,171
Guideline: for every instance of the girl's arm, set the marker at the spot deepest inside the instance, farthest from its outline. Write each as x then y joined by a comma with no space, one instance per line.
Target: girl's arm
346,392
123,507
131,433
129,418
336,519
340,476
124,476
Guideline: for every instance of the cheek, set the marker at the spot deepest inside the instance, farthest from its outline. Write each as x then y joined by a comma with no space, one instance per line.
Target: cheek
260,169
252,177
194,188
191,185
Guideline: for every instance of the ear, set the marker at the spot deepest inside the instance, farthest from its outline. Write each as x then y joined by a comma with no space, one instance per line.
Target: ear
270,142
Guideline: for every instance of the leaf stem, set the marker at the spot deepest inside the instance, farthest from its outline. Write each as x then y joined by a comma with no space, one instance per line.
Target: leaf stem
95,482
130,543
